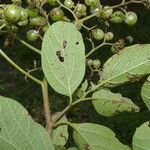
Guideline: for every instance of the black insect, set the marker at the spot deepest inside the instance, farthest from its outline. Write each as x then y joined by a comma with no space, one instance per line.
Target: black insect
59,55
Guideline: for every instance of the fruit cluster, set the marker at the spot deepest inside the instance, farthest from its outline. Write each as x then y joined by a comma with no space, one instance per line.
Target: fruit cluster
38,17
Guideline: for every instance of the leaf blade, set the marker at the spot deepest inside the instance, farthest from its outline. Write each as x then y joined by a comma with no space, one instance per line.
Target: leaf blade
130,64
141,138
18,130
145,93
63,57
96,137
108,103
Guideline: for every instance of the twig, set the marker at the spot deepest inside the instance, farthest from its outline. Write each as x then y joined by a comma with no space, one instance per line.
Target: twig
20,69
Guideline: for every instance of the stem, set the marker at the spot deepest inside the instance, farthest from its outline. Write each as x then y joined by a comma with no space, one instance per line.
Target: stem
99,46
47,110
85,19
61,114
20,69
74,15
28,45
126,3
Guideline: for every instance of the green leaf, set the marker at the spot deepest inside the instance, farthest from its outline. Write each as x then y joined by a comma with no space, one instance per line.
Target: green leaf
145,92
63,57
141,138
96,137
108,103
130,64
18,131
60,134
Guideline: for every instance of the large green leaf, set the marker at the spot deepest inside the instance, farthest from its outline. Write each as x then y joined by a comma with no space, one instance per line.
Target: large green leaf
141,138
107,103
63,57
89,136
18,131
145,92
60,134
129,65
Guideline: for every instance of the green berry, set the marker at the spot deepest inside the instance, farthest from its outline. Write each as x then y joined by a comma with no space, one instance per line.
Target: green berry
80,8
108,36
117,17
38,21
32,12
69,3
12,13
56,14
92,2
32,35
97,34
94,10
90,62
96,63
130,18
24,14
107,12
52,2
79,15
80,93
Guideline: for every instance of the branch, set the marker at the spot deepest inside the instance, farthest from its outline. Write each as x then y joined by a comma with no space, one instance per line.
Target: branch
28,45
20,69
47,110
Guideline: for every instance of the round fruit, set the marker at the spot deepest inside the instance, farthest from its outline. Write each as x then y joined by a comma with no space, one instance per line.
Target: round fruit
90,62
12,13
32,12
56,14
23,23
24,14
130,18
94,10
38,21
117,17
92,2
108,36
107,12
80,93
81,8
96,63
97,34
69,3
32,35
52,2
79,15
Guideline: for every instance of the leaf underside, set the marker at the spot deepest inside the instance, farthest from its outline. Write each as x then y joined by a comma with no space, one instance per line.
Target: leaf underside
63,57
